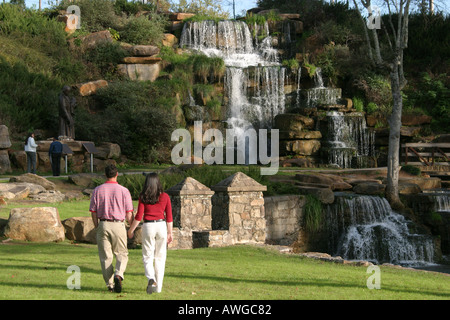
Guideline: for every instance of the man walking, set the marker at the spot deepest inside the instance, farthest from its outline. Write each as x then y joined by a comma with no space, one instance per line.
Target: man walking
110,205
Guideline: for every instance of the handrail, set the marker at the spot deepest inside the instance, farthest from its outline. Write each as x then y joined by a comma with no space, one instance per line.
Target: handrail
436,152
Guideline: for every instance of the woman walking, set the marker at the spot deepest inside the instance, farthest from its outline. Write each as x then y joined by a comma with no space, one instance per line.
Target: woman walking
30,150
155,208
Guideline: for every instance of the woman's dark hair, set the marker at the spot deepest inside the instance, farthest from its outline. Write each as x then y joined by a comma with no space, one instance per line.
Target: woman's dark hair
152,189
29,135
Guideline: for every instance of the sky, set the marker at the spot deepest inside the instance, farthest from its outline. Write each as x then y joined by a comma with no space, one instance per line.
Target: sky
240,5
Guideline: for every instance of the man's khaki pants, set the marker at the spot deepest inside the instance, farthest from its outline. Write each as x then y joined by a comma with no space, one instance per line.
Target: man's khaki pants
112,242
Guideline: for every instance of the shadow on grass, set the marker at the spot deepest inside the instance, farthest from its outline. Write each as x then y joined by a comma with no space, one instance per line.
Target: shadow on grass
316,283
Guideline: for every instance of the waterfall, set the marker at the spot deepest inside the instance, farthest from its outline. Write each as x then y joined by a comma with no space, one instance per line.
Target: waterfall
299,75
348,138
365,228
318,80
442,203
321,95
254,79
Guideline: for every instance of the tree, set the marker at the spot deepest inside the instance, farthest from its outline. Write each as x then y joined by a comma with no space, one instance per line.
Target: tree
390,60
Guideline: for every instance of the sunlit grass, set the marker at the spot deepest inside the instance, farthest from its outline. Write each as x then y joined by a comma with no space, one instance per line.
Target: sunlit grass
38,271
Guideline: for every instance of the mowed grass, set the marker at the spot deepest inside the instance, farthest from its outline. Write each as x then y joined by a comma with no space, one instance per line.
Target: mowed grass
39,271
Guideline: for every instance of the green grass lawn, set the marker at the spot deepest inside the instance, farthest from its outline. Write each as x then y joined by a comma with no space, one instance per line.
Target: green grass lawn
39,271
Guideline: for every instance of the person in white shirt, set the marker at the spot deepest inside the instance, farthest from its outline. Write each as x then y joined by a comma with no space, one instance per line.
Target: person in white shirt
30,150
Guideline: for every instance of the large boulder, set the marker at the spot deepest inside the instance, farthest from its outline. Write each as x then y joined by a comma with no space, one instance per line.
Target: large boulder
5,164
169,40
40,224
293,122
415,120
5,142
93,40
80,229
19,159
49,196
300,135
108,150
35,179
334,182
369,188
19,190
423,183
13,192
141,60
142,72
85,179
300,147
142,50
91,87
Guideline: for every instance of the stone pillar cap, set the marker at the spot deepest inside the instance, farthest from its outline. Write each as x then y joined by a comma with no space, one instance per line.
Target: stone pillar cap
189,186
239,182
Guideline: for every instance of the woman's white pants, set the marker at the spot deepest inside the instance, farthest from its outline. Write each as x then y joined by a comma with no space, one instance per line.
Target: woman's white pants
154,249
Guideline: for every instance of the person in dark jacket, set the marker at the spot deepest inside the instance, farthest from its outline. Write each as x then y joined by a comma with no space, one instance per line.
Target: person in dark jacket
55,153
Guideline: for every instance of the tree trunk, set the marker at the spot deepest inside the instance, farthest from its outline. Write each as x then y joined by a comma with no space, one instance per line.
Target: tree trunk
395,123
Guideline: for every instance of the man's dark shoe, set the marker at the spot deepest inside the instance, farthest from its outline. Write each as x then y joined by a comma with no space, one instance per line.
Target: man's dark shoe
118,284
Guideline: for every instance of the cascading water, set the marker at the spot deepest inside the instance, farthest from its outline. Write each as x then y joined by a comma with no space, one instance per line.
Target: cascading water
321,95
349,138
365,228
442,202
254,79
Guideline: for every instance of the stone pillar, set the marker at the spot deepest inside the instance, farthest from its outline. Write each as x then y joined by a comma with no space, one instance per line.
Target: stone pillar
191,210
238,206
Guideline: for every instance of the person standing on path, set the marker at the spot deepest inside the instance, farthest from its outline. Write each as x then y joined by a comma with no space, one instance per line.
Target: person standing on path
110,205
30,150
155,208
55,153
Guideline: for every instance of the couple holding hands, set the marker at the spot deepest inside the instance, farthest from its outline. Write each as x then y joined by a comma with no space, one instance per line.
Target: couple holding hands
110,205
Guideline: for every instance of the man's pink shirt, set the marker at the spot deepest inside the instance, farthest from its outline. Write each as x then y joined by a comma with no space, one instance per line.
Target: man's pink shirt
111,201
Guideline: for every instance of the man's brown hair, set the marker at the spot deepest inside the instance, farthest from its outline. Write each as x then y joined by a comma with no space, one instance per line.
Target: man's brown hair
110,171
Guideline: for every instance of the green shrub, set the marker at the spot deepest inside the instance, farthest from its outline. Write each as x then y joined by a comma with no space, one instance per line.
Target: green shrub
252,19
206,68
131,7
105,57
277,188
358,104
133,182
130,117
15,19
292,64
312,214
96,15
144,29
371,108
411,170
431,94
27,99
